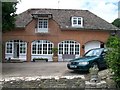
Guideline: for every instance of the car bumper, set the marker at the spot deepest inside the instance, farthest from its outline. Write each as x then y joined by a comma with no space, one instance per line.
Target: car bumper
78,67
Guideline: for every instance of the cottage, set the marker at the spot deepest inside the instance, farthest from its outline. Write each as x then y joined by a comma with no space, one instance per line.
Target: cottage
37,31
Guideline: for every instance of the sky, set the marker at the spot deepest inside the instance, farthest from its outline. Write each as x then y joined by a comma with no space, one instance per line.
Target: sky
106,9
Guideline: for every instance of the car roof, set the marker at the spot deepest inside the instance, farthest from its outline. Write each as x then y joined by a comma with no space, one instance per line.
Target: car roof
97,49
103,49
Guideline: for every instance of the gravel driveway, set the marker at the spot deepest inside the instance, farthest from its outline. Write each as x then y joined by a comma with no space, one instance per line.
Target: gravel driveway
44,70
28,69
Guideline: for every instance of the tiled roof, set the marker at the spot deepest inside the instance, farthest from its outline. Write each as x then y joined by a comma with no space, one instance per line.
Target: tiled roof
63,18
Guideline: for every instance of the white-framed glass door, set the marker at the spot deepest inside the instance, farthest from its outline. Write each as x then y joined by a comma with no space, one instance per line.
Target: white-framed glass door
16,49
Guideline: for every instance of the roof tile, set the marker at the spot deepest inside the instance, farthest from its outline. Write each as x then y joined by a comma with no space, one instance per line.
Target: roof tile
62,17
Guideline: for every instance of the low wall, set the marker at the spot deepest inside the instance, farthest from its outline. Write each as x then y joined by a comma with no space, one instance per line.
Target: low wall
45,83
54,83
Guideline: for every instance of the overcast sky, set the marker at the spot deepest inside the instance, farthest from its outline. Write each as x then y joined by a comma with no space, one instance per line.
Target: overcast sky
106,9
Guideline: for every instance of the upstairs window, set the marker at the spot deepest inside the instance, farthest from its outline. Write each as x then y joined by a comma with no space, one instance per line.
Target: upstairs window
77,22
42,26
43,23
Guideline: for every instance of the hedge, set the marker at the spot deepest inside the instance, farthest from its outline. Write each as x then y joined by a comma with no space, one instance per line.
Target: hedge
113,57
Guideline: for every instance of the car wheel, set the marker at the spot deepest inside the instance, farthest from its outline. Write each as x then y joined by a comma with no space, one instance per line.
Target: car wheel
94,64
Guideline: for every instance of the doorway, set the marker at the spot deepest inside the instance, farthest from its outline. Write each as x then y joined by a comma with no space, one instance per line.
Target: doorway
16,50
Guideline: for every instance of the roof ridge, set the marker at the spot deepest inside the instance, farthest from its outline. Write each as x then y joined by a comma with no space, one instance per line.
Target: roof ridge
56,9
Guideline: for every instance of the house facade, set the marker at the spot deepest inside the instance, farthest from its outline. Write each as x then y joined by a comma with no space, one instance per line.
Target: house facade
37,31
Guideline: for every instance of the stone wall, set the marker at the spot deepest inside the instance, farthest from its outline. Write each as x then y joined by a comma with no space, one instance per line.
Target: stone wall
44,82
68,83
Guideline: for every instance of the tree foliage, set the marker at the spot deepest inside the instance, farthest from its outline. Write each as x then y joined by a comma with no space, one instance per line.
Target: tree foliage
8,15
113,56
116,22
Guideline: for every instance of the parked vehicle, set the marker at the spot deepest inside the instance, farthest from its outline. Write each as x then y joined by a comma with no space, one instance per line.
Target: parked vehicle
89,59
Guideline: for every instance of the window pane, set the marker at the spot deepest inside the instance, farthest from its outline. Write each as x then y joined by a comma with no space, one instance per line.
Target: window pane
74,21
22,47
40,23
9,47
43,23
44,48
60,48
76,49
70,47
79,21
34,49
39,49
49,48
66,49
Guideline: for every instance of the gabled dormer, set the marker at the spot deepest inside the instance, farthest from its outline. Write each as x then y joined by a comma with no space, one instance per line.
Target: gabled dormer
77,22
42,22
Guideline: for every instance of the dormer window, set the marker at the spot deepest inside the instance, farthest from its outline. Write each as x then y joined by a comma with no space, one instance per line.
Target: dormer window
77,21
42,26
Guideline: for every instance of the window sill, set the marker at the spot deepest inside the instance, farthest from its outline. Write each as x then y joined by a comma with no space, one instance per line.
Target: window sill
77,26
41,31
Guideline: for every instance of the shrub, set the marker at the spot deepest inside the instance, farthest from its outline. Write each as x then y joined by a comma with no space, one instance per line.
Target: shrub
113,57
40,59
55,51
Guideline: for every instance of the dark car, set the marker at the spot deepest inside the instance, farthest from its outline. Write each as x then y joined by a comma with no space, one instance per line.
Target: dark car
89,59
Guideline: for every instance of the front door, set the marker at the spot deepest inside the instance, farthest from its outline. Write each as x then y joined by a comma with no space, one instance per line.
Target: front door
16,50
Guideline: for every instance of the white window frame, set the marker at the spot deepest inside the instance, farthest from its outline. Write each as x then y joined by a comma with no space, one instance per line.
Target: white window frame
22,48
64,43
42,29
6,47
77,22
42,42
12,42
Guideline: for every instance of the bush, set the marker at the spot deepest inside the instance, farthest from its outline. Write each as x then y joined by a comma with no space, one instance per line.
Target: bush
113,57
34,59
55,51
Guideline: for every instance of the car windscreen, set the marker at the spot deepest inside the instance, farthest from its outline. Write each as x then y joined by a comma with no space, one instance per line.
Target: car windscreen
95,52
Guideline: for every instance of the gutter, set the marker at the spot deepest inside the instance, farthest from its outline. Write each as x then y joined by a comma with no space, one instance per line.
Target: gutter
82,28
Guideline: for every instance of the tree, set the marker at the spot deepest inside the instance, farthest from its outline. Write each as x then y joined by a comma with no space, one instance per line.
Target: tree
116,22
8,15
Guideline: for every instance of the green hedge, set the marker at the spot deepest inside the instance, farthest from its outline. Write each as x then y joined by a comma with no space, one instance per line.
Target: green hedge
113,57
34,59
